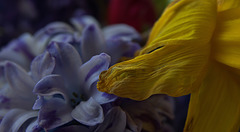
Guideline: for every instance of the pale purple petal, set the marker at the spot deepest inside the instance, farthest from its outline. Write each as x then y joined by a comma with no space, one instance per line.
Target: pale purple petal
73,128
90,71
123,31
83,21
67,61
18,78
33,127
119,47
93,42
43,36
17,90
88,112
38,103
101,97
55,112
19,51
42,65
51,85
15,118
114,121
65,38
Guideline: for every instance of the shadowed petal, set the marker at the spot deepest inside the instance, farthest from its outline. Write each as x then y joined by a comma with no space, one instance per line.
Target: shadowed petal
64,38
55,112
51,85
33,127
19,51
114,121
42,65
93,42
15,118
215,103
83,21
122,31
17,92
88,112
119,47
67,61
43,36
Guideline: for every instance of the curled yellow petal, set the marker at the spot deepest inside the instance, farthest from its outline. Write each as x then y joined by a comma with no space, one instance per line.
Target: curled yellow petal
174,60
215,106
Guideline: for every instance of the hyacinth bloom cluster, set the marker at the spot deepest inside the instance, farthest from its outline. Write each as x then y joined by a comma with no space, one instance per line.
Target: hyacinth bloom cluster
48,81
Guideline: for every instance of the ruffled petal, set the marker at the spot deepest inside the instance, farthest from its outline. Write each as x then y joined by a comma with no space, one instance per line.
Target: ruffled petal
122,31
114,121
88,113
15,118
93,42
42,65
174,60
55,112
215,106
226,39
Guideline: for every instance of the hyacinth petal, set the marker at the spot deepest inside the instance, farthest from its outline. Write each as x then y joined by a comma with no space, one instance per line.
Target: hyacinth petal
55,112
90,70
33,127
119,47
65,38
115,120
43,36
67,61
174,60
121,31
93,42
19,51
101,97
224,5
83,21
42,65
18,78
17,90
215,103
226,38
88,112
50,85
15,118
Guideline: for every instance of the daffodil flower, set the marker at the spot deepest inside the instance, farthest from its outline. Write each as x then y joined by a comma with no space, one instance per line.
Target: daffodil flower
192,49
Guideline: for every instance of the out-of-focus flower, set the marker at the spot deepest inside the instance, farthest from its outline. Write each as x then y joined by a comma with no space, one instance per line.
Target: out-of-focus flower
16,97
140,14
193,48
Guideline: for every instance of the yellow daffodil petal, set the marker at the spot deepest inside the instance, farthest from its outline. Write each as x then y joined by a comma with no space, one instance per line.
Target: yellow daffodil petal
224,5
226,48
174,62
215,107
183,20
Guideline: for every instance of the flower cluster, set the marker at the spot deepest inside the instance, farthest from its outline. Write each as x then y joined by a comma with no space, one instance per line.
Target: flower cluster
48,81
